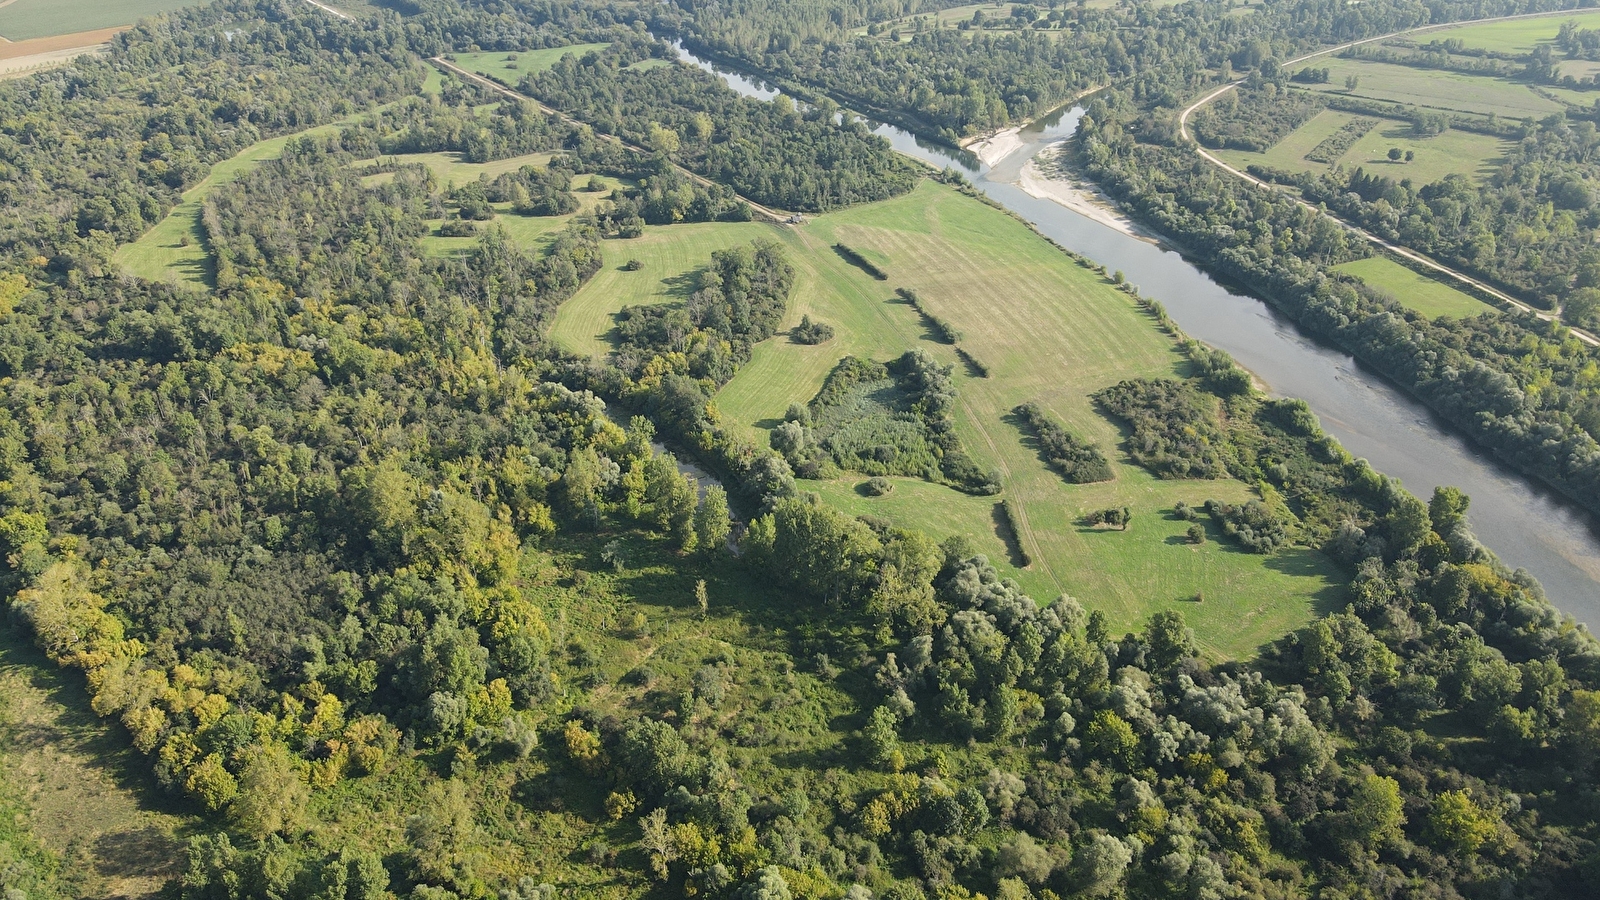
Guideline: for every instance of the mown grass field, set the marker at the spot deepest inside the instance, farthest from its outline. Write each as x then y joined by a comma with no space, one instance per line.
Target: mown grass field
1050,331
1415,291
1435,89
1451,153
1520,36
174,249
25,19
511,67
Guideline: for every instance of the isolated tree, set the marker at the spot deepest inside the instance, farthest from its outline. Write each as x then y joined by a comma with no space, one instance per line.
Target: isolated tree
272,797
1351,82
702,599
441,835
1395,153
711,520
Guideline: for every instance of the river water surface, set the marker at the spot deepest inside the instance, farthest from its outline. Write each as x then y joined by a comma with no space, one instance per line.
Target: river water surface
1524,522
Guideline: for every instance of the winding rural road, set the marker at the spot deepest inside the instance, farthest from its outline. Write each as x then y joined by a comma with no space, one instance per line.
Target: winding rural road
1375,240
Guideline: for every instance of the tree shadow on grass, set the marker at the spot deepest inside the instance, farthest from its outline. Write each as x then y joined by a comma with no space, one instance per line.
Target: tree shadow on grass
1301,562
1006,531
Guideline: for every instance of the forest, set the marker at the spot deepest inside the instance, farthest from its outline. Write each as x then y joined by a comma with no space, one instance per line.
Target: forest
392,596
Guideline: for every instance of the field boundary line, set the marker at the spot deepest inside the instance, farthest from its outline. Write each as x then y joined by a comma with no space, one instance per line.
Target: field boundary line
769,214
1406,252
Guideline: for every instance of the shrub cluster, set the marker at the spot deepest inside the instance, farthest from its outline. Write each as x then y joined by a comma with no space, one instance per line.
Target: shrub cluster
1176,430
1078,461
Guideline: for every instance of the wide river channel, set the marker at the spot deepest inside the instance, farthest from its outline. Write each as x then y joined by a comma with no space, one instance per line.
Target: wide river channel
1524,522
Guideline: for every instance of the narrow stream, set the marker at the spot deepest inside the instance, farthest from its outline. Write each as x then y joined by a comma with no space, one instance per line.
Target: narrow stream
1525,523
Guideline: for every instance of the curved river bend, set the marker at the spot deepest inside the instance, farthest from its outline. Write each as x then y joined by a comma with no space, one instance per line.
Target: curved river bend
1524,522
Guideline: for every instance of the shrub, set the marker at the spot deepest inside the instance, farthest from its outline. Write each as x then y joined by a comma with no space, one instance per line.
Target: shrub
866,265
1253,525
1078,461
809,332
877,486
632,265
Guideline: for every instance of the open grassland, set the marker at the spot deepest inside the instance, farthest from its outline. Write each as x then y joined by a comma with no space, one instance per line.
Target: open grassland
1453,152
511,67
1519,36
1050,331
24,19
1434,89
1414,291
450,168
533,232
584,324
70,773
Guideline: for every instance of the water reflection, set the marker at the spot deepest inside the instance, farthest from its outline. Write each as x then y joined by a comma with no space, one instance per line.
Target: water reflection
1524,522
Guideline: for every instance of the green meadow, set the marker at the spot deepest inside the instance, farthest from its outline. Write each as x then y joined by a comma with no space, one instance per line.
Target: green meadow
1051,331
1453,152
511,67
174,250
1415,291
1518,36
1436,89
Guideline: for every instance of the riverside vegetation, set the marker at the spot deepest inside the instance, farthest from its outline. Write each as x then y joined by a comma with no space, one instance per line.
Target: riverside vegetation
351,550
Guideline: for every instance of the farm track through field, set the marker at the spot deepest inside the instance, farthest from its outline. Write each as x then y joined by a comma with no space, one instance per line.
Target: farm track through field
1375,240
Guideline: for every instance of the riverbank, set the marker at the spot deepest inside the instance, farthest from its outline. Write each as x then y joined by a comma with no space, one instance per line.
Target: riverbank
1043,177
997,146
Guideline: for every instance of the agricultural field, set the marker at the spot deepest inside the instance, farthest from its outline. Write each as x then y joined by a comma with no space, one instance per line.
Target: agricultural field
1415,291
1436,89
1050,331
1519,36
511,67
22,20
1453,152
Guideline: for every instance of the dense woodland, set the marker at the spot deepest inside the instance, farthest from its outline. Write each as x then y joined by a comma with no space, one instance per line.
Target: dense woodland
327,534
772,153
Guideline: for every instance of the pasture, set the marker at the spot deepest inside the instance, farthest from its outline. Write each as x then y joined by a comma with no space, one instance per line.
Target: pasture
22,20
1051,331
1453,152
1518,36
1413,290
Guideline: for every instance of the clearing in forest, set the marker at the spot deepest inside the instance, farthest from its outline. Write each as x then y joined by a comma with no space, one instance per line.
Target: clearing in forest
78,782
1050,331
1414,291
21,20
510,68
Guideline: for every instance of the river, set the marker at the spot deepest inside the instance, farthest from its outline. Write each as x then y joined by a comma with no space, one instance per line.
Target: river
1525,523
